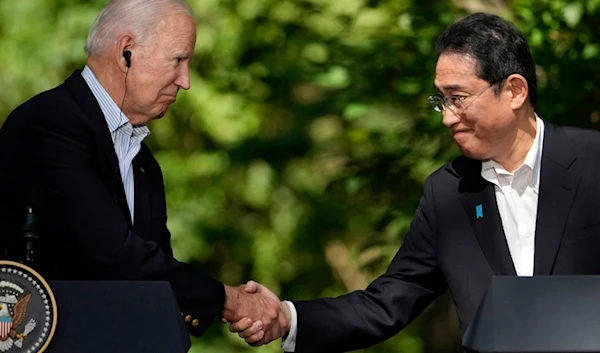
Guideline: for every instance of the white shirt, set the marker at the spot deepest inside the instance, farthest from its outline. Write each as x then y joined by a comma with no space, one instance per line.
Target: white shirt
126,138
517,199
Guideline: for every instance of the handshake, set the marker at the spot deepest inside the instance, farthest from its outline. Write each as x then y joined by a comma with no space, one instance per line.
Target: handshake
255,313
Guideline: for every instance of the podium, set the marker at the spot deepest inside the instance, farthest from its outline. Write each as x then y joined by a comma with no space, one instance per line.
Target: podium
537,314
117,317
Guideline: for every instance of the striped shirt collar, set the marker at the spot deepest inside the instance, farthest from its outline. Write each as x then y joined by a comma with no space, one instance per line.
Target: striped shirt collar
115,118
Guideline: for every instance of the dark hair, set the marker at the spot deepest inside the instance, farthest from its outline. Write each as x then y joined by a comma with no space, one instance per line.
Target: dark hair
497,45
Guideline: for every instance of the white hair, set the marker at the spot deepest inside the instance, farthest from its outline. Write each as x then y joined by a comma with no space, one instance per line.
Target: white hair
139,17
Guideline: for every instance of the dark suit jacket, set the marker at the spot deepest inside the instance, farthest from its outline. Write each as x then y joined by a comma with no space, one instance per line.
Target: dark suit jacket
448,247
58,145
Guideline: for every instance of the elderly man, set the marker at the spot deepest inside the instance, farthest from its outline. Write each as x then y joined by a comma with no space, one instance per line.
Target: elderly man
522,200
100,193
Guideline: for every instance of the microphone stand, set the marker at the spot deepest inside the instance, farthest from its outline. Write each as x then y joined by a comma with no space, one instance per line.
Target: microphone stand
29,236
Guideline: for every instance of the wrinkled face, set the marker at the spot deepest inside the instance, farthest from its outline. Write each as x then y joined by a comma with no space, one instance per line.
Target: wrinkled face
161,68
486,126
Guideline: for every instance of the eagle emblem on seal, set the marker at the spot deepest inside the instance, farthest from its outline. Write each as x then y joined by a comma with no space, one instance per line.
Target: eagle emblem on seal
13,310
27,310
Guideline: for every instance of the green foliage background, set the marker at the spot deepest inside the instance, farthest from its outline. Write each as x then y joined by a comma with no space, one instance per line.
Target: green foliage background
298,156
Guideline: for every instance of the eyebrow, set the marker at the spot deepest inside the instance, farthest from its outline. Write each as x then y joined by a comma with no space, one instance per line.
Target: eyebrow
450,88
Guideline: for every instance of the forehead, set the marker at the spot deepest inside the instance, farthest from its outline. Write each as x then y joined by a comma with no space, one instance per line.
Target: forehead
454,71
176,30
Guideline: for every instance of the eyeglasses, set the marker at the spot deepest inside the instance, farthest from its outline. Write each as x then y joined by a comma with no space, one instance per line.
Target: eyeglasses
454,103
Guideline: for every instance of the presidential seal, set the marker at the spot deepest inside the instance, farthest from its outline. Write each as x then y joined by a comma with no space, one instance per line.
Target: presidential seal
27,309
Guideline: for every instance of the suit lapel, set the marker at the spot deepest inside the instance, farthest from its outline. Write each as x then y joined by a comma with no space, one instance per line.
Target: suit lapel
143,209
559,178
89,105
479,202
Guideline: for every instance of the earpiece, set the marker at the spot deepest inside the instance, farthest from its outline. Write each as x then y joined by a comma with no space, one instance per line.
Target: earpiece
127,56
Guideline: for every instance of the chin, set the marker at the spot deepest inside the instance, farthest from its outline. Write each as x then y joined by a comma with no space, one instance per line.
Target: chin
159,115
473,153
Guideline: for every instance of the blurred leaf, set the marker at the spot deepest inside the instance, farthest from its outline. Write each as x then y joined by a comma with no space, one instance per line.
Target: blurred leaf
572,13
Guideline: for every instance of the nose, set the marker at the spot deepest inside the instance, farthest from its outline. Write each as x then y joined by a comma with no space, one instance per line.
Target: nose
449,118
183,79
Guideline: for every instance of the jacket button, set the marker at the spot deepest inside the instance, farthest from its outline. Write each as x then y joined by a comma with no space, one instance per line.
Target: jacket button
195,322
188,318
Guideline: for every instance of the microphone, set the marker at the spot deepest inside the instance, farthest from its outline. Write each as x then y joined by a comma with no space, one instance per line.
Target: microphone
29,236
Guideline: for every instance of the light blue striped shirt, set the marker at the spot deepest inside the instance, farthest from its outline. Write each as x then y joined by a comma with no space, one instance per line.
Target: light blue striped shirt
127,138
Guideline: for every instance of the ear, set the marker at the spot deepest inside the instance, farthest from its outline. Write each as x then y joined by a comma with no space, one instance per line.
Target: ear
519,90
124,42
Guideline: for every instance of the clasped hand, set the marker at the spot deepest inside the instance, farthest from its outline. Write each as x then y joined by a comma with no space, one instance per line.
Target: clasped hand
255,313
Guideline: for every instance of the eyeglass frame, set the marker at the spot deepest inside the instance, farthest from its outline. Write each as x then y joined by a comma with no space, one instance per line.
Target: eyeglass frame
450,102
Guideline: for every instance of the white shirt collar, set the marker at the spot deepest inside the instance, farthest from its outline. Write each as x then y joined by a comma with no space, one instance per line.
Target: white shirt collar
490,169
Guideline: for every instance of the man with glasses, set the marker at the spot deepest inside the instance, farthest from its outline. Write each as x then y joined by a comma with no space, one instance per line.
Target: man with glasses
521,201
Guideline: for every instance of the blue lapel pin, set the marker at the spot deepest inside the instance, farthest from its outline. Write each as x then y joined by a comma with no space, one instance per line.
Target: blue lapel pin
479,211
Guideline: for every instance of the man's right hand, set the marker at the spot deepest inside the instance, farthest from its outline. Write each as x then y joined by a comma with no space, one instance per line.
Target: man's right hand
251,330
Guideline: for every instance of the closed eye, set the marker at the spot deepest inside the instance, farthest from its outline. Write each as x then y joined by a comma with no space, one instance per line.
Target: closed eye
458,99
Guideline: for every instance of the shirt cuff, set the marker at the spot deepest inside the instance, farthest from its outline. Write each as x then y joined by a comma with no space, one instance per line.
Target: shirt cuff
289,343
